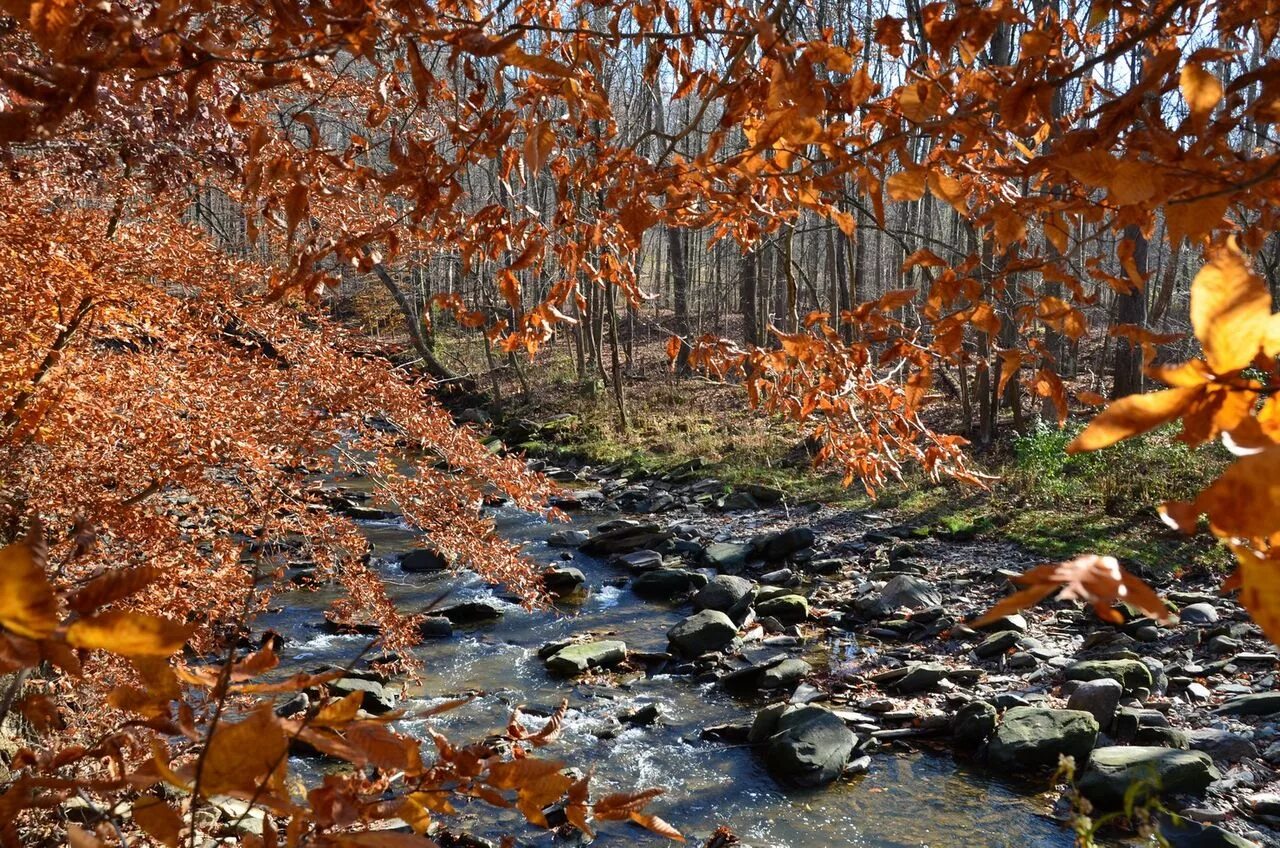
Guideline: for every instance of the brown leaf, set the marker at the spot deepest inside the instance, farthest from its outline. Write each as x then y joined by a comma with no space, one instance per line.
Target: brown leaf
112,586
242,757
1133,415
158,819
1099,581
130,634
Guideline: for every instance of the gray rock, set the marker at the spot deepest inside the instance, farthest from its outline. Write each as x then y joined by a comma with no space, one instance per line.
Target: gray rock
1201,613
376,698
1222,745
727,594
640,561
973,723
788,609
423,561
1113,770
624,538
1131,674
666,584
1017,622
1259,703
809,747
435,627
568,538
921,677
774,547
727,556
703,632
997,644
471,612
1099,698
563,581
1033,737
581,656
909,592
785,675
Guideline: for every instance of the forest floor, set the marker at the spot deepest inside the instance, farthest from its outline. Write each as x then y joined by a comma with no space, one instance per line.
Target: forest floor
1050,503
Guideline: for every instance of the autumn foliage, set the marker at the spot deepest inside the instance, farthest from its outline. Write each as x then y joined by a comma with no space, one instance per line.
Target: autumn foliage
170,390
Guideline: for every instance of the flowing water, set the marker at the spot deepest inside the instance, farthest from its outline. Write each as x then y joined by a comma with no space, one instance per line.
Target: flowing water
912,800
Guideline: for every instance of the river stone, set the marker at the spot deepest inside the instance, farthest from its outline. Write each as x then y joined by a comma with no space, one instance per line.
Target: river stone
809,747
921,677
376,698
1221,744
435,627
775,547
785,674
1099,698
581,656
973,723
727,556
725,593
563,581
1189,834
1131,674
422,561
1033,737
997,644
625,538
568,538
910,592
640,561
1201,613
788,609
703,632
1114,769
665,584
471,612
1259,703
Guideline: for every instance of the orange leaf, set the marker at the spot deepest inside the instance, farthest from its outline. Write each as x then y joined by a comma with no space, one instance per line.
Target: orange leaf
1260,589
1245,500
158,819
907,185
1133,415
28,606
130,634
1230,311
1200,89
245,756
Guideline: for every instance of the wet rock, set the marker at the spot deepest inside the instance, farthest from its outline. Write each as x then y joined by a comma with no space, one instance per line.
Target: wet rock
1033,737
809,747
1189,834
1259,703
624,538
642,716
703,632
727,594
1113,770
471,612
997,644
640,561
376,698
788,609
907,592
1201,613
435,627
765,723
1222,745
568,538
563,581
785,675
364,513
775,547
973,723
423,561
1099,698
1131,674
727,556
667,584
581,656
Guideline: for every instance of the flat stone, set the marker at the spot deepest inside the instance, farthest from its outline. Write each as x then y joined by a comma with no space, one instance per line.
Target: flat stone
1201,613
727,556
1131,674
1033,737
667,584
785,674
775,547
568,538
639,561
1259,703
997,644
1113,770
909,592
582,656
1099,698
788,609
727,594
809,747
471,612
1222,745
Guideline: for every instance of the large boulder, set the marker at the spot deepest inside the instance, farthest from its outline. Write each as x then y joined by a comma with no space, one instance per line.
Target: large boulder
1034,737
423,561
727,594
561,581
810,746
667,584
788,609
775,547
973,723
906,591
702,633
1099,698
1131,674
375,699
1114,769
581,656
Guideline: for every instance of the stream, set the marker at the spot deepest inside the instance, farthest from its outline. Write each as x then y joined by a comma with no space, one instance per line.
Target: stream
906,799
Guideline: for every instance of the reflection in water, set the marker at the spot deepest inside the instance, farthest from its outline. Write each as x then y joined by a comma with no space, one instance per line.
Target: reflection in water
905,800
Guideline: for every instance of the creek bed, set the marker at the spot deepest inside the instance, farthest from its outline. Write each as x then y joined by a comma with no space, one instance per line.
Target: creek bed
916,799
